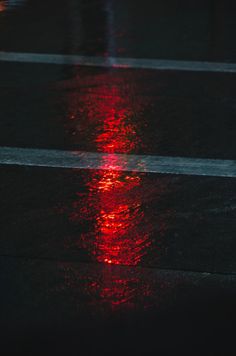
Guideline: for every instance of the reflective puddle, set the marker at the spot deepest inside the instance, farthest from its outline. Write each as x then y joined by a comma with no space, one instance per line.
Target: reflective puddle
119,229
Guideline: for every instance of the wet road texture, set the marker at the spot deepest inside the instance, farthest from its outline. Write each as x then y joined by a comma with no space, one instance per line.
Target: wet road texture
105,258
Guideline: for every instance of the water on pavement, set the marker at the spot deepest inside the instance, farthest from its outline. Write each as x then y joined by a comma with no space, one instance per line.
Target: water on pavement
104,259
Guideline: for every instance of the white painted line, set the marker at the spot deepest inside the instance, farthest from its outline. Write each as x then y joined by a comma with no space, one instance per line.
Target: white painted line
117,162
118,62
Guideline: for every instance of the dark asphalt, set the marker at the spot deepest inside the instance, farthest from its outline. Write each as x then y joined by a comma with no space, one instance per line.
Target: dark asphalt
103,261
54,307
196,30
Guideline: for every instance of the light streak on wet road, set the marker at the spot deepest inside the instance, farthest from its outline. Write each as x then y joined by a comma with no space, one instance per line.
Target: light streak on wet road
117,168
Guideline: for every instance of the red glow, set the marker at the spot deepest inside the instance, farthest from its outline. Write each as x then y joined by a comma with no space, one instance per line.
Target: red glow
114,201
2,6
118,238
117,132
112,288
117,229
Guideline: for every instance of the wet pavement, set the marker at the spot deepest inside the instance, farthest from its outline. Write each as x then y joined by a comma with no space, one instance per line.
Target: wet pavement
105,259
57,307
115,217
175,114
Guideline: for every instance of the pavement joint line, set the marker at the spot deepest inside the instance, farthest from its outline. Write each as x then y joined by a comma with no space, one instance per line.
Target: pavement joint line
205,274
118,62
51,158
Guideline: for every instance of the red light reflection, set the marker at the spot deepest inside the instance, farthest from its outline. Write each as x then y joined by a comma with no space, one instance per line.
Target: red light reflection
109,289
118,237
118,232
2,6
